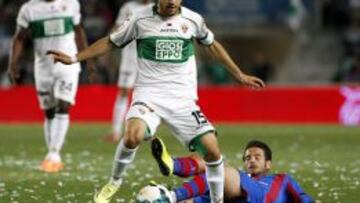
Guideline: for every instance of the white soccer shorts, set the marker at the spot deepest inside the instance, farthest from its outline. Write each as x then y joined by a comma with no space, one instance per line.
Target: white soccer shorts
56,82
183,116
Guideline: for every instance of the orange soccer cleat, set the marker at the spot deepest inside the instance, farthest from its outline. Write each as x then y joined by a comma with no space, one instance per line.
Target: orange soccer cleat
50,166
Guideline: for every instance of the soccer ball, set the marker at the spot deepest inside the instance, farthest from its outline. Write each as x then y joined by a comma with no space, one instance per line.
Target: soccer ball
153,194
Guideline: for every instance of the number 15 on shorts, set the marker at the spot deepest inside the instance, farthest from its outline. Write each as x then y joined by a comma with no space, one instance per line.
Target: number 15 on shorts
199,117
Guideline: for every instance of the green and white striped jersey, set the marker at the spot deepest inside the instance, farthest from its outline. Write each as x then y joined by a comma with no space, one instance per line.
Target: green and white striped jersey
51,24
165,50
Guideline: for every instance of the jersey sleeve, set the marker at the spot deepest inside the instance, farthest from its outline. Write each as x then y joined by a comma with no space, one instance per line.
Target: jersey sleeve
77,14
125,33
23,17
204,35
296,193
124,13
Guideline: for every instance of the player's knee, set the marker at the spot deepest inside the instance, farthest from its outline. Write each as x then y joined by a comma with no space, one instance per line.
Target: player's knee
63,107
50,113
131,142
134,132
133,137
213,154
210,148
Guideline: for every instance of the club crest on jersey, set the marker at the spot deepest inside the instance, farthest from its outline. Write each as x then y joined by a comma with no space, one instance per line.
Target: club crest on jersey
184,28
142,110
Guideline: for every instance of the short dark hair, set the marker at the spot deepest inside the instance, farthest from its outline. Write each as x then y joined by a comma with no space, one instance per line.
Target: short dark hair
261,145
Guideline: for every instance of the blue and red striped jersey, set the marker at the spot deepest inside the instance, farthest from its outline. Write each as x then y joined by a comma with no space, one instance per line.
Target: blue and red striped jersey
274,188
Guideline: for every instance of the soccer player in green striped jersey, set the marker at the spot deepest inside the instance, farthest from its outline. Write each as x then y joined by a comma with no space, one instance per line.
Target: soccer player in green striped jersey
166,86
52,24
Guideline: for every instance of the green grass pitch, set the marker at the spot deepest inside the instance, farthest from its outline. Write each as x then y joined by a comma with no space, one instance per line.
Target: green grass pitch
325,159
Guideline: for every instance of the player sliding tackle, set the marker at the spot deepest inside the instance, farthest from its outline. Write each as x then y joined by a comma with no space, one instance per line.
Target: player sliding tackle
166,86
254,184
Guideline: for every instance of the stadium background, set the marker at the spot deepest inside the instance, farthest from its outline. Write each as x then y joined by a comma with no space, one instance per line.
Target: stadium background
307,51
284,42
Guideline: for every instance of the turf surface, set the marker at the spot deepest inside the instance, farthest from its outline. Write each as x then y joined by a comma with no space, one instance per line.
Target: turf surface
324,159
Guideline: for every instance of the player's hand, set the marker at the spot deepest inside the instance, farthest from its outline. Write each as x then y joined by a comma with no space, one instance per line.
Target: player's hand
252,81
61,57
13,74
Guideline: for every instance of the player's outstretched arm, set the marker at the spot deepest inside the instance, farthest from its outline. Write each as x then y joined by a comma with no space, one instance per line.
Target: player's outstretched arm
81,42
98,48
219,52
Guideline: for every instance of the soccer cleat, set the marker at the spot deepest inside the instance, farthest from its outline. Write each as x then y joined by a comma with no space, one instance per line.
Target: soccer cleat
162,157
50,166
106,193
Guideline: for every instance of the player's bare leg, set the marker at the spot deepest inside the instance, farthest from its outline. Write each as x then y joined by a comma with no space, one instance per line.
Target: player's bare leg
232,188
125,153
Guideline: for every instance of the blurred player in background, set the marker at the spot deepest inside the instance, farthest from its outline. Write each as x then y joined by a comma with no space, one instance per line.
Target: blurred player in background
127,71
255,184
52,24
166,86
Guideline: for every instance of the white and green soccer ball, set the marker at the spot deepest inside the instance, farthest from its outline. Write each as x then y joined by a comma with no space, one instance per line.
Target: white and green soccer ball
153,194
